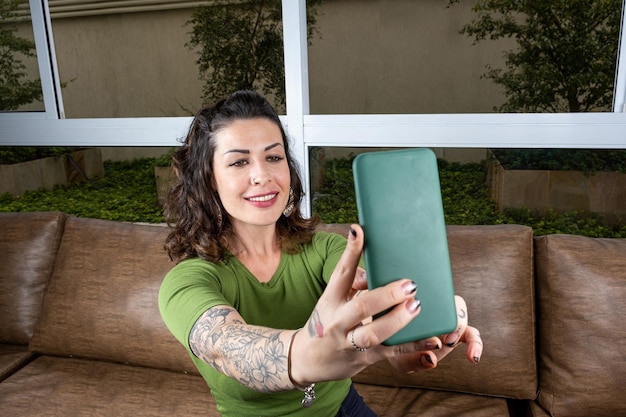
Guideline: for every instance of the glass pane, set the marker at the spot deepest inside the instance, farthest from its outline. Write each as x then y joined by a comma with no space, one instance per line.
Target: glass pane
575,191
20,86
140,59
436,56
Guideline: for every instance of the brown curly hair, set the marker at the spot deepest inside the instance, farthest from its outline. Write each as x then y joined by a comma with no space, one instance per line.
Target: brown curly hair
199,222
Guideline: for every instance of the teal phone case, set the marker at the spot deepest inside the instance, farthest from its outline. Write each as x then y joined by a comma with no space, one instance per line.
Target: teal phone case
400,208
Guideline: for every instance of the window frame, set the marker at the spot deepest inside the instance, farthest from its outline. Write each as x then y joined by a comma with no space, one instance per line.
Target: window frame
523,130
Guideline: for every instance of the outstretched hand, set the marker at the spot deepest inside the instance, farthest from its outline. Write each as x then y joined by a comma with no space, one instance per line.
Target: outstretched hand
428,359
340,339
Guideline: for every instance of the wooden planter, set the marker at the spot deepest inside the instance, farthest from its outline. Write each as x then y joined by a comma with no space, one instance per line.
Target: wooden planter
165,179
543,190
48,172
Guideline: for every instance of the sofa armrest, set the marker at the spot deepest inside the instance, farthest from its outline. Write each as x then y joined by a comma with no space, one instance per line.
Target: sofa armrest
28,248
581,288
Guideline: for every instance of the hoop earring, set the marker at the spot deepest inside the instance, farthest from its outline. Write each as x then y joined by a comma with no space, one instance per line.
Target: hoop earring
291,203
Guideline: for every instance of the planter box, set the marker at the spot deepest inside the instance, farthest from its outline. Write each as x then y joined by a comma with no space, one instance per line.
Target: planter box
165,180
49,172
543,190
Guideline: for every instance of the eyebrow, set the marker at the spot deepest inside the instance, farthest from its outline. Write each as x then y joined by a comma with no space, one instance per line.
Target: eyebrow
247,151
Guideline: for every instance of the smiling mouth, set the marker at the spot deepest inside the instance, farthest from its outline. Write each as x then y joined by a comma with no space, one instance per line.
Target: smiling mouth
262,198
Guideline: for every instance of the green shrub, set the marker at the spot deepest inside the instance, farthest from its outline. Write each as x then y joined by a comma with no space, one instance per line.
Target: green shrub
586,160
16,154
128,193
466,201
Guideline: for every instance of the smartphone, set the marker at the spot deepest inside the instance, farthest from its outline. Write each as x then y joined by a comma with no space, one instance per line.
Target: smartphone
399,204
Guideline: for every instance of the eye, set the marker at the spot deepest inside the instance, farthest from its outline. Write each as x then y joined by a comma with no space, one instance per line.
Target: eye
238,163
275,158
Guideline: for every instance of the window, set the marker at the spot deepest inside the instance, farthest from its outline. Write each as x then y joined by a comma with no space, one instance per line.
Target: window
307,128
24,74
410,57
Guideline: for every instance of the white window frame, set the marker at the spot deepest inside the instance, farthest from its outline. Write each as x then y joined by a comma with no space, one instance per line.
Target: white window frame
525,130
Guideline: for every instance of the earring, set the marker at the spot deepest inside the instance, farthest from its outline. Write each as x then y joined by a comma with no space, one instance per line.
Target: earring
219,219
291,203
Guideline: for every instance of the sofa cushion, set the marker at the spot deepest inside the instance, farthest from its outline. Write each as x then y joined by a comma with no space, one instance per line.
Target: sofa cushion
581,288
28,248
102,297
414,402
53,386
12,358
492,269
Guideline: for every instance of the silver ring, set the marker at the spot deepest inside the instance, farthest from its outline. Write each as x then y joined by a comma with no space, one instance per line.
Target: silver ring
354,345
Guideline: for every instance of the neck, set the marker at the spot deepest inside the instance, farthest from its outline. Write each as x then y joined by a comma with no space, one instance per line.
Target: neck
255,241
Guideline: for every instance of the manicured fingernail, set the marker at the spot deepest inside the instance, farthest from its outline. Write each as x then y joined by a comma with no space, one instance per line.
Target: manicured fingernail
451,339
432,346
414,305
409,287
428,359
476,359
352,232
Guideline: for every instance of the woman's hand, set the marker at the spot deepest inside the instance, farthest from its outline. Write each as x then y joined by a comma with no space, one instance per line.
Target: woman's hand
335,343
428,359
340,339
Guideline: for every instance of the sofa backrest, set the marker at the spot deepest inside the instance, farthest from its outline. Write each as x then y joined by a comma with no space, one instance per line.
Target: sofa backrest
581,295
102,298
493,271
28,248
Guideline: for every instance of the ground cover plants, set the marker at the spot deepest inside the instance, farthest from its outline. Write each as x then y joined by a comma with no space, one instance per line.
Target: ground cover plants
16,154
128,193
465,199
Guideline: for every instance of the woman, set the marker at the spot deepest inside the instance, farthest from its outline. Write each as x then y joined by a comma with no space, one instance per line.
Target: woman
251,272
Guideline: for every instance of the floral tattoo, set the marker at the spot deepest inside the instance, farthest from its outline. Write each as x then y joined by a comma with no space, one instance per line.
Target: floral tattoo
254,356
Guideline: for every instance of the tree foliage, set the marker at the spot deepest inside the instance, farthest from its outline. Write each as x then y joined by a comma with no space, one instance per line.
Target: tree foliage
566,54
240,46
15,87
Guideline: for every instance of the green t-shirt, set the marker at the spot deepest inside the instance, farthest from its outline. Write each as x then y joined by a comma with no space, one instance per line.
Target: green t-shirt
285,302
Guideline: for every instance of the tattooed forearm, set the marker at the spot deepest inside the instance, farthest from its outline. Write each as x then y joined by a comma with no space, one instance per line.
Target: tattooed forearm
254,356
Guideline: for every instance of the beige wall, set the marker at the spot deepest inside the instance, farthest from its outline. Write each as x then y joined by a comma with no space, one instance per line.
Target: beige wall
127,65
371,56
399,56
374,56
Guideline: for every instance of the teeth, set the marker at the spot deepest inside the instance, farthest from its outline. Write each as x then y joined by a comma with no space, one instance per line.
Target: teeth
263,198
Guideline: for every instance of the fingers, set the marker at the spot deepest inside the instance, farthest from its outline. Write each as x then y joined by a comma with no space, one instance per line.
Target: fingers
462,334
474,344
453,338
343,277
360,279
425,354
397,294
409,363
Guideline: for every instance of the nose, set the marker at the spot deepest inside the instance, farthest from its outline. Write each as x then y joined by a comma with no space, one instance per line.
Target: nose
259,176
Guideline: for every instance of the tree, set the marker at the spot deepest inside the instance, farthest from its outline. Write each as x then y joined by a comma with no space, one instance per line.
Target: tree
240,46
566,55
15,87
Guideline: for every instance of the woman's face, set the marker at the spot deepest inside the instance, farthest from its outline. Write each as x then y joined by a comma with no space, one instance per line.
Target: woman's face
251,172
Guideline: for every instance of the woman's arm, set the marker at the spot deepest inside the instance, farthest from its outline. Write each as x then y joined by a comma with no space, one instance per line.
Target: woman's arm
337,342
255,356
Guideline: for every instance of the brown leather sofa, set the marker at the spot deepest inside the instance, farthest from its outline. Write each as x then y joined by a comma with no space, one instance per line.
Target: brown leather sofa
81,335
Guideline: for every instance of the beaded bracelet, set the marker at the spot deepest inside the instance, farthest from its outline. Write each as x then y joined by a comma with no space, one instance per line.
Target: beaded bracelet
309,390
